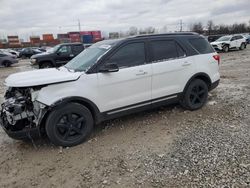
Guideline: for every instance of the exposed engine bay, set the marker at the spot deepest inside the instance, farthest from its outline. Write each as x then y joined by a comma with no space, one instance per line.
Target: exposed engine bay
20,111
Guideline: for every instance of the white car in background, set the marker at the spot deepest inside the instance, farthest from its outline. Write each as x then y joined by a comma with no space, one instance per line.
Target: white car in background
229,42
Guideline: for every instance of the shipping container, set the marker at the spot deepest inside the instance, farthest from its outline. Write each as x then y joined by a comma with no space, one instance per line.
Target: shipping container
86,39
74,32
35,40
85,33
98,33
63,36
48,37
75,37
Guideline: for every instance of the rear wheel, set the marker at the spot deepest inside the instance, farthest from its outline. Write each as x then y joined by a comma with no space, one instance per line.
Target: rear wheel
45,65
242,46
69,125
195,95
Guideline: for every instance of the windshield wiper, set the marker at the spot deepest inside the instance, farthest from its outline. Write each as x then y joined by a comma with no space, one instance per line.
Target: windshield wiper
70,70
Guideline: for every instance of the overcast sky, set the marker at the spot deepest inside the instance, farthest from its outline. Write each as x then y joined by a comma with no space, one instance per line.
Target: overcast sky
33,17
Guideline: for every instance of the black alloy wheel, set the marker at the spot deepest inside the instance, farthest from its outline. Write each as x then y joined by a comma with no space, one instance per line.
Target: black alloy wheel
195,95
69,125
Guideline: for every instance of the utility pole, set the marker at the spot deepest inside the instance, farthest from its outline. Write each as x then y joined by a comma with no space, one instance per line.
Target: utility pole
79,25
181,25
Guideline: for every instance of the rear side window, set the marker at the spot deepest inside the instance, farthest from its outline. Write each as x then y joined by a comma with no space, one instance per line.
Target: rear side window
163,50
201,45
239,37
76,49
129,55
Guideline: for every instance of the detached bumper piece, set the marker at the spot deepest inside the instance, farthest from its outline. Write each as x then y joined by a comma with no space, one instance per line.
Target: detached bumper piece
17,120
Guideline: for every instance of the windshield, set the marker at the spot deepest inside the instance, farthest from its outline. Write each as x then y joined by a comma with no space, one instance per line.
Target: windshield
54,49
225,38
88,57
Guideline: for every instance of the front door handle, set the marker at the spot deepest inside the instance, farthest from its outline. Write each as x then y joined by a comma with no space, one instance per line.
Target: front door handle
140,73
186,63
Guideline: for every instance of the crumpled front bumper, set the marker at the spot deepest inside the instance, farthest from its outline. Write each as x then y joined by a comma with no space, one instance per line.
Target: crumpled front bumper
24,134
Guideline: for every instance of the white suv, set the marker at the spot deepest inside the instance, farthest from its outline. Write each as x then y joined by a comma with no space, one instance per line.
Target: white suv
109,79
229,42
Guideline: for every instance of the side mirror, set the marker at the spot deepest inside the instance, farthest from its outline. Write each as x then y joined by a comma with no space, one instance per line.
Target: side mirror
111,67
58,53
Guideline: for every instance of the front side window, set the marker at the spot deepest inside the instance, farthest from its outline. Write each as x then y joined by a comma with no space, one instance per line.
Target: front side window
129,55
163,50
64,50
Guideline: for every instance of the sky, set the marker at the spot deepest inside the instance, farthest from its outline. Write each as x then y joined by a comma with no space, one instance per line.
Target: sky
34,17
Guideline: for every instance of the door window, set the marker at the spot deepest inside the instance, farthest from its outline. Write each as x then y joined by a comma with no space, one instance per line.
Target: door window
76,49
64,50
163,50
129,55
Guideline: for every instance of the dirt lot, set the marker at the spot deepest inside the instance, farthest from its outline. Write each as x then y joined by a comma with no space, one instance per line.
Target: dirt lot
167,147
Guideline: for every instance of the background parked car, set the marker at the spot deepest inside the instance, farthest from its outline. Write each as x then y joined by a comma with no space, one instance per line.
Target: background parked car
3,51
212,38
57,56
247,38
28,52
229,42
6,60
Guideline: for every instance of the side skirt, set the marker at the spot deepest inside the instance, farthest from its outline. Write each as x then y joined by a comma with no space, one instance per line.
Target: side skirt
142,106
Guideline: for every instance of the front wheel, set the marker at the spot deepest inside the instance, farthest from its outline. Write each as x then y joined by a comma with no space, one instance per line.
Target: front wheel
225,48
195,96
45,65
69,125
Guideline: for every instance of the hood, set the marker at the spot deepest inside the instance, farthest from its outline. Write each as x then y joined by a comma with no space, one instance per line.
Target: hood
41,77
40,55
218,42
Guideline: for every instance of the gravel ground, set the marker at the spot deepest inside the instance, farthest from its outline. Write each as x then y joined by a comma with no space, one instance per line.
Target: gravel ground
166,147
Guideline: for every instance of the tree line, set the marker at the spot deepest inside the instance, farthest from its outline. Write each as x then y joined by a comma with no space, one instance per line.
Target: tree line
213,29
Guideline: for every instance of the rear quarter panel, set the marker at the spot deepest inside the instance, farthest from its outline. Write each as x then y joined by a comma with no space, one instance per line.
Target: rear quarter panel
206,63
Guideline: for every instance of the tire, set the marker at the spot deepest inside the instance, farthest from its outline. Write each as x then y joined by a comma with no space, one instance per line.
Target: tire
45,65
242,46
69,125
7,63
195,95
225,49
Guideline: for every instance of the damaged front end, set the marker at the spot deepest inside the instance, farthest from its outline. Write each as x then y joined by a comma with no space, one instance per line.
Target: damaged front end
21,114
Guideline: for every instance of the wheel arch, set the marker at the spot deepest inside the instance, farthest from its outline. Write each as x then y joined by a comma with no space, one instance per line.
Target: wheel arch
80,100
203,76
46,61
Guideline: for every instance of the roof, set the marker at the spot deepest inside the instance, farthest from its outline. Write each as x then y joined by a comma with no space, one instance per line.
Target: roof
167,34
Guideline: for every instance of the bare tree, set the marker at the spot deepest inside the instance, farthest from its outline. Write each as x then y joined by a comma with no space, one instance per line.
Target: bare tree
150,30
133,31
197,27
210,27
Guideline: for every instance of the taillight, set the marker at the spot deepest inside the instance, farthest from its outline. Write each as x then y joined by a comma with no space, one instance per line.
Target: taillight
217,58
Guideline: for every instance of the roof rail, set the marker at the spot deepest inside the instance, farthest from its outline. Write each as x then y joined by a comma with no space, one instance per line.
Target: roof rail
166,34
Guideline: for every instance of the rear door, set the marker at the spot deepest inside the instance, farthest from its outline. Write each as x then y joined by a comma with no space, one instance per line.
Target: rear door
130,87
234,42
171,68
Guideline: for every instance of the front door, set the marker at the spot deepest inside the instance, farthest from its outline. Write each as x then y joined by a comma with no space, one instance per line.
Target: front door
63,55
130,87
